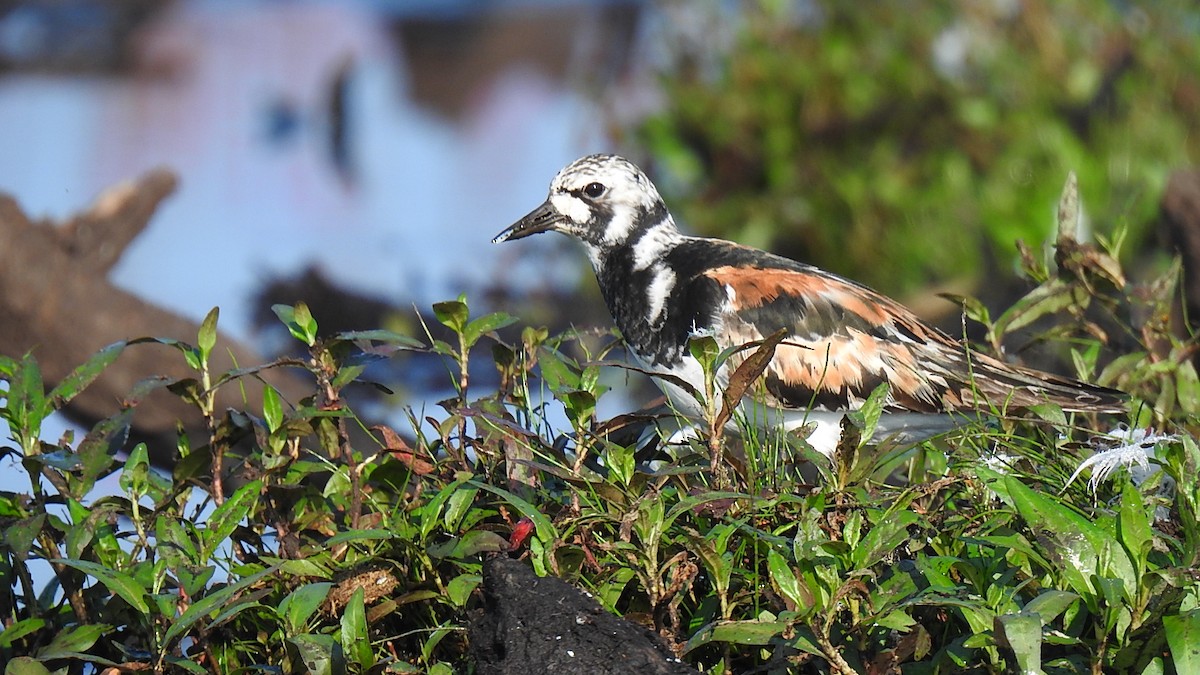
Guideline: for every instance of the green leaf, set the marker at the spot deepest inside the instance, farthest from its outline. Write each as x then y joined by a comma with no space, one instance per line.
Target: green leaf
559,376
18,630
82,376
272,408
1133,527
188,665
98,449
543,526
356,644
704,349
381,335
460,587
737,632
119,583
299,322
785,580
1083,550
884,538
1021,634
1183,639
471,543
73,640
1049,604
452,314
317,652
210,603
872,409
486,324
226,517
357,535
297,607
24,665
207,338
459,503
20,535
133,476
1053,296
25,404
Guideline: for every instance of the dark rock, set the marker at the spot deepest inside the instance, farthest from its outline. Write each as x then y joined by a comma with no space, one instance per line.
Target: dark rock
531,624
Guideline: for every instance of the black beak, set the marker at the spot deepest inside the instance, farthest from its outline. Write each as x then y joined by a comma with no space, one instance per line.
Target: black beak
543,218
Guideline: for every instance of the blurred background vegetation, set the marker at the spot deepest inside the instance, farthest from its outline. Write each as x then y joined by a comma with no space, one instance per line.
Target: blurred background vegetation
910,143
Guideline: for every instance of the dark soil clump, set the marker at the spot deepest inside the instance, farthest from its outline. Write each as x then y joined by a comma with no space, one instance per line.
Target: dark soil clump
531,624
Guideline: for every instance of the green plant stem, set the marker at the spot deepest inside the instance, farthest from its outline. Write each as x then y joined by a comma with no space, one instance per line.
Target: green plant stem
832,654
73,591
208,404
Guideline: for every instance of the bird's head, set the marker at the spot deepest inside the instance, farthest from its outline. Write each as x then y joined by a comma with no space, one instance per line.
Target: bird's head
602,200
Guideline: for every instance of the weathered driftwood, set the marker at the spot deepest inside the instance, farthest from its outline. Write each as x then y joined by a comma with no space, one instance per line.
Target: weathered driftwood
56,303
1180,213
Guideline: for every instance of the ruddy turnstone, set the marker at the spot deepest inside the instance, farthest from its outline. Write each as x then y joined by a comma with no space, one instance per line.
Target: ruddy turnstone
843,339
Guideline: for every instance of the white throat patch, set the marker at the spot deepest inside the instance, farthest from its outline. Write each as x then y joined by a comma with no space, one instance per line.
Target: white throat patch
572,207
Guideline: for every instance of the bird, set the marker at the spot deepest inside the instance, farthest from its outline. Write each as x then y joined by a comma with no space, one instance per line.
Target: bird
841,339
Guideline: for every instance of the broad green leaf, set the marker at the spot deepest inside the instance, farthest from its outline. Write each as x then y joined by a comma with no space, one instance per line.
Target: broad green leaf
483,325
1155,667
558,374
207,337
24,665
1133,527
460,501
470,544
211,603
1053,296
545,529
20,535
737,632
1183,638
25,404
18,630
381,335
1021,634
190,666
872,409
883,539
73,640
133,475
452,314
317,652
460,587
1082,549
297,607
82,376
272,408
299,321
357,535
787,583
1049,604
174,544
226,517
356,643
98,449
704,349
119,583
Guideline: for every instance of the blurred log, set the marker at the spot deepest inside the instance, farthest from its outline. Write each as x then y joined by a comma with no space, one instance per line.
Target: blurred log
56,302
1181,223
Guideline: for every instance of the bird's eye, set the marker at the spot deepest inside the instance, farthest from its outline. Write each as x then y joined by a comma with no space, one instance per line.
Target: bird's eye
593,190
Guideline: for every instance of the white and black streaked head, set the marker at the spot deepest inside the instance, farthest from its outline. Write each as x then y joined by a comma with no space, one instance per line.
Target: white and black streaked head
605,201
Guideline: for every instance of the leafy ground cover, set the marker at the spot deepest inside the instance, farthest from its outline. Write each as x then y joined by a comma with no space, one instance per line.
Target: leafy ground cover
288,538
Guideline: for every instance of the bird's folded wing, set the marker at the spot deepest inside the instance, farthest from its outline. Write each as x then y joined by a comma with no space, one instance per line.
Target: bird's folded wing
846,340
